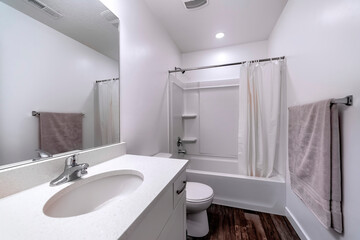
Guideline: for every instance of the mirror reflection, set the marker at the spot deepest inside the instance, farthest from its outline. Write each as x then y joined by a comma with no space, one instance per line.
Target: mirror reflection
59,78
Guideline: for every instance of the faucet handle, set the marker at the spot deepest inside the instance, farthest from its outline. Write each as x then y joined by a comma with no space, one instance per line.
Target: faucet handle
83,169
81,173
71,160
179,142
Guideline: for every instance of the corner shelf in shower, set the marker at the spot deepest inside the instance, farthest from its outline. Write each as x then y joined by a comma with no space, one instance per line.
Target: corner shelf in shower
189,116
189,140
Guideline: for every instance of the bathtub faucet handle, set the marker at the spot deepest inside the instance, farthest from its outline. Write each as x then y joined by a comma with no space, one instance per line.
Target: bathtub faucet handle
179,142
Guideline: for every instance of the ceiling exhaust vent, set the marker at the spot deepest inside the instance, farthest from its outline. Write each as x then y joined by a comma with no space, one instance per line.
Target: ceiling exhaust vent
195,4
42,6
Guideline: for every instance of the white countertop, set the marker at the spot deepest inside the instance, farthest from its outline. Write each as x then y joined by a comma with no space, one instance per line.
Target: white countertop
22,217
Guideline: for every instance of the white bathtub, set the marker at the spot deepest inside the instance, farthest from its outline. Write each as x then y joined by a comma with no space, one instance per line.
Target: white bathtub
253,193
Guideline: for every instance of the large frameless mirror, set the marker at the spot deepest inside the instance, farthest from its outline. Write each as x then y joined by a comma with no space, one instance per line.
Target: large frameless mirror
59,78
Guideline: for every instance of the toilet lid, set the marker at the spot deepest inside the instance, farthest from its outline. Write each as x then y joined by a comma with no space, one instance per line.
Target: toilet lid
198,192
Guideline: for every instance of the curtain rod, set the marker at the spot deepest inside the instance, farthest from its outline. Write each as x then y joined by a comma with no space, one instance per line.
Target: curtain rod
106,80
223,65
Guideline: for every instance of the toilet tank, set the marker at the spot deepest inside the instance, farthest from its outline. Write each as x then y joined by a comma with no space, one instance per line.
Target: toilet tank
163,155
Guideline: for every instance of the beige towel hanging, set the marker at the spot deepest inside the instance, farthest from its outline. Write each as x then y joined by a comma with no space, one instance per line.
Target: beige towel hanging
314,160
60,132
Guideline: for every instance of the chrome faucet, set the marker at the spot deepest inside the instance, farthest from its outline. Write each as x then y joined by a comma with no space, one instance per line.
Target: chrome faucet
42,154
72,171
181,149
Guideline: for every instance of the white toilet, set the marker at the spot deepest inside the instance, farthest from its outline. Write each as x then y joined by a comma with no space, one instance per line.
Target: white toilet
199,197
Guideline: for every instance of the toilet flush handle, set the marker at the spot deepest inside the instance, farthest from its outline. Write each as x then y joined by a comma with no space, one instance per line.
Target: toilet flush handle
182,189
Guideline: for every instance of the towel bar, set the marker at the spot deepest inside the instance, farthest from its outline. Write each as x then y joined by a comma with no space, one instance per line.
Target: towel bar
36,114
348,100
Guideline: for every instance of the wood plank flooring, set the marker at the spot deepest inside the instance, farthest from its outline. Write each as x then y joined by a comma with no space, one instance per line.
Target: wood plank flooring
228,223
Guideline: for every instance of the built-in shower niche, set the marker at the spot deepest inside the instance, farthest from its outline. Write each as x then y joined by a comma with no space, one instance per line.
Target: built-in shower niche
186,117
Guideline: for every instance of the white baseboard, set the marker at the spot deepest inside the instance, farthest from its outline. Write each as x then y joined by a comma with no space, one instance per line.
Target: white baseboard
296,225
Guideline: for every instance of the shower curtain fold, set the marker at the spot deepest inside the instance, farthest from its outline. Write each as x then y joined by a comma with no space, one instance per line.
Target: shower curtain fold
107,116
259,117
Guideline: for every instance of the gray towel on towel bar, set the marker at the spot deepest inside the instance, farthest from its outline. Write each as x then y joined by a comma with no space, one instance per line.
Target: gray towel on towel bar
60,132
314,160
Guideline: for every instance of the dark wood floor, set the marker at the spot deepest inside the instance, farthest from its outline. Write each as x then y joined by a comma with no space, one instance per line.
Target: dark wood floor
228,223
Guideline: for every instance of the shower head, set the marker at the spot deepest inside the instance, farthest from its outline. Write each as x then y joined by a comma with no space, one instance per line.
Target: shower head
179,70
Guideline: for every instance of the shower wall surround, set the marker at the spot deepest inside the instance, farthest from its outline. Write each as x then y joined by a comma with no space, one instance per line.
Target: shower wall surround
176,109
216,125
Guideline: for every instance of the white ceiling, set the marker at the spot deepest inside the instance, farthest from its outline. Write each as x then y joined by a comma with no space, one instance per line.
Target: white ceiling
81,21
242,21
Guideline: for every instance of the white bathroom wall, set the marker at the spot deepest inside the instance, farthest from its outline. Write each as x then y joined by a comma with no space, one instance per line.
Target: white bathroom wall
237,53
146,54
43,70
321,41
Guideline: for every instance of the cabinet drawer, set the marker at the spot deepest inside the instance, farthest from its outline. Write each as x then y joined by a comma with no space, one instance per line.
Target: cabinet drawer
179,187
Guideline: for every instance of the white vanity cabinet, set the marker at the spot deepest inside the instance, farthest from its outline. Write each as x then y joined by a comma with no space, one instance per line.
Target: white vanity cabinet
175,228
155,210
166,220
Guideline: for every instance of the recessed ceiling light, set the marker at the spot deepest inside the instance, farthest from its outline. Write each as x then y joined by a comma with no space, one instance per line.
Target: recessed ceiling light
219,35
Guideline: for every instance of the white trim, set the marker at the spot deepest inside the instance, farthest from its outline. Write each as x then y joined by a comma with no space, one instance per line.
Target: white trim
207,87
277,178
296,225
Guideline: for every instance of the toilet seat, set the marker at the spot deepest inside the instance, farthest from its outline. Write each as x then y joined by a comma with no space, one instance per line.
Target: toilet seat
198,192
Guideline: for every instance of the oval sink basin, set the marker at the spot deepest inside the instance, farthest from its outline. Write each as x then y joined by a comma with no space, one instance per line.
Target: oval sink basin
90,194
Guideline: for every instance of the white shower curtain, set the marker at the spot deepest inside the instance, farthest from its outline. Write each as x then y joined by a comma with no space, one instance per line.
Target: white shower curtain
259,117
107,113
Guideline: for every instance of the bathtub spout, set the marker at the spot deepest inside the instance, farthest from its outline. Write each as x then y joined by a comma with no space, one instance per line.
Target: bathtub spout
180,151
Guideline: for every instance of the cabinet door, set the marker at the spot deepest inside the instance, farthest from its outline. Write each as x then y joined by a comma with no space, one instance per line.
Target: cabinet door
179,188
175,228
154,221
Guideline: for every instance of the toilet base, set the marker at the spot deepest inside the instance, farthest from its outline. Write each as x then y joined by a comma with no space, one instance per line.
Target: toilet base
197,224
